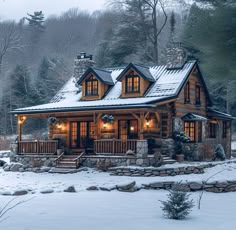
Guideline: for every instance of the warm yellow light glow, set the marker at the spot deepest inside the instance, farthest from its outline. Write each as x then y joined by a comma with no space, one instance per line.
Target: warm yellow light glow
147,123
132,128
104,125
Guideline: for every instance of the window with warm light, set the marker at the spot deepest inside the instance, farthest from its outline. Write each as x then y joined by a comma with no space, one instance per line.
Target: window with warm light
189,130
132,83
91,86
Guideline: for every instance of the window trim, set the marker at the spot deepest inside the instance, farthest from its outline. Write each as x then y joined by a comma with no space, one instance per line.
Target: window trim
187,93
132,77
94,91
212,127
198,94
224,129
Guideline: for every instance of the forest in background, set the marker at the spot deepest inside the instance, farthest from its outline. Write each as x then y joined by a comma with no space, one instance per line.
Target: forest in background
37,53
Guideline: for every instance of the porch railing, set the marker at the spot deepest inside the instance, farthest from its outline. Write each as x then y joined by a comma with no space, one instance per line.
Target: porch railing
114,146
37,147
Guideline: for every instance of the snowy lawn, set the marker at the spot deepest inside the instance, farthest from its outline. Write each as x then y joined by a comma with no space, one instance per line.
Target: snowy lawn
11,181
97,210
116,211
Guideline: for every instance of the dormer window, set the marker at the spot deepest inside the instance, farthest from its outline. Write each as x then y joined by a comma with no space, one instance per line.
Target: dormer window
91,86
132,83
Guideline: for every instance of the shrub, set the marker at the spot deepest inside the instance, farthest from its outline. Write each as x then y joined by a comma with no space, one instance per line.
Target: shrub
177,206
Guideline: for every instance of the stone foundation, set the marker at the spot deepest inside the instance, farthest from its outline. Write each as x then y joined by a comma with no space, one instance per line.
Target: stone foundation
32,161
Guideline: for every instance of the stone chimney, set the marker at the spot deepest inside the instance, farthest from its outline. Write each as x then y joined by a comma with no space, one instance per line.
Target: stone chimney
81,64
176,56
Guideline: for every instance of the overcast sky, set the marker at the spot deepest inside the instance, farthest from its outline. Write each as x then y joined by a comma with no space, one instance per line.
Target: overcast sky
16,9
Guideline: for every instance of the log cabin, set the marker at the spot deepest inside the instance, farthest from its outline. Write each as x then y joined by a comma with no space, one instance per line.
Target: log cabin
111,113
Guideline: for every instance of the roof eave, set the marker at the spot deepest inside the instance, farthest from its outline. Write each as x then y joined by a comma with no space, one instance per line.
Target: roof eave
71,109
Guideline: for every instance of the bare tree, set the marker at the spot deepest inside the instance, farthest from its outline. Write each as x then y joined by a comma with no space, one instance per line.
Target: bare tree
9,40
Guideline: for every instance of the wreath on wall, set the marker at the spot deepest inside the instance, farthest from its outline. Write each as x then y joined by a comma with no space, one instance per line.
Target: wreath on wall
52,121
108,118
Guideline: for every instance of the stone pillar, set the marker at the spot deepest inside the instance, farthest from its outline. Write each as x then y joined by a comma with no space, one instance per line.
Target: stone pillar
141,153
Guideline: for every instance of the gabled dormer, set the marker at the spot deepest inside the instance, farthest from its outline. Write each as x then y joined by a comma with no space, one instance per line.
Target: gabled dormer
95,83
135,79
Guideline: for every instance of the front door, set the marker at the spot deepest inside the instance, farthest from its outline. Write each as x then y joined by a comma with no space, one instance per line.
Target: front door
82,134
128,129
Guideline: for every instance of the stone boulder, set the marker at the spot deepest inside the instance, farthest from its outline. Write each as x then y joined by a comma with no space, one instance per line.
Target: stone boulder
130,187
20,192
195,186
92,188
2,163
70,189
46,191
14,167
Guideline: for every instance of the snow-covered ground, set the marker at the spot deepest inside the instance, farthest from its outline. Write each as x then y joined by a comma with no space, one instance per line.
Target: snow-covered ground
97,210
116,211
11,181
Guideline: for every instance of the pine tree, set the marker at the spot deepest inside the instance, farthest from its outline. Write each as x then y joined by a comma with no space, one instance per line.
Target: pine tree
178,205
36,20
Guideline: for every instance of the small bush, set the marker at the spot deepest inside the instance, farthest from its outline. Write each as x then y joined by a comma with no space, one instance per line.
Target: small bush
177,206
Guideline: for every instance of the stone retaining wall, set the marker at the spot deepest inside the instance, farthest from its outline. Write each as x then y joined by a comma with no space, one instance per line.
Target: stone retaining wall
132,171
216,186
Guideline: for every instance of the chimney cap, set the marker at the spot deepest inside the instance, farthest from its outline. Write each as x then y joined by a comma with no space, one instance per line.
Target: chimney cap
83,55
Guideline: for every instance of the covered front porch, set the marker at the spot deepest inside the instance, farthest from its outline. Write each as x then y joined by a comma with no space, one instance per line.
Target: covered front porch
117,132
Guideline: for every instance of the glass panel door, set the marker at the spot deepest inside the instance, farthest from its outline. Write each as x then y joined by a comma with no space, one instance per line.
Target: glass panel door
128,129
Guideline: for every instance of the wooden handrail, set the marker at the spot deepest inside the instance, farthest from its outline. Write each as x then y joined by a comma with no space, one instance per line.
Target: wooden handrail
78,159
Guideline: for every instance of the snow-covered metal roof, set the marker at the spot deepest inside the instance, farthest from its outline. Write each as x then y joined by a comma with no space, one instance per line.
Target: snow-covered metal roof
168,84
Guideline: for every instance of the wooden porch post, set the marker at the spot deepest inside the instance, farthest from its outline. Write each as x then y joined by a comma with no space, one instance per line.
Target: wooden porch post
141,125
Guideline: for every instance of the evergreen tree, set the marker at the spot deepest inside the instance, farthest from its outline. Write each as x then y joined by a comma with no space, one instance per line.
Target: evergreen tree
177,206
36,20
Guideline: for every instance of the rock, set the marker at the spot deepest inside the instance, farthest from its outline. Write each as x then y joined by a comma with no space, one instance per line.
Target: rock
221,184
92,188
231,188
195,186
6,168
139,162
133,189
104,189
84,169
126,187
2,163
15,167
20,192
214,189
156,185
70,189
46,191
181,187
44,169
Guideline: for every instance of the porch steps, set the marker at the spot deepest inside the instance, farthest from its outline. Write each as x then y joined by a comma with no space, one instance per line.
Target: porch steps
67,162
167,160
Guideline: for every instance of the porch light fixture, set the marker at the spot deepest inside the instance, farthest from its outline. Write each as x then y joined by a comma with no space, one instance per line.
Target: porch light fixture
21,120
104,125
132,128
147,123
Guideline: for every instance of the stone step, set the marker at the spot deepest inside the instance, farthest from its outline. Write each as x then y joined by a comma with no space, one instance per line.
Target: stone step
66,166
62,170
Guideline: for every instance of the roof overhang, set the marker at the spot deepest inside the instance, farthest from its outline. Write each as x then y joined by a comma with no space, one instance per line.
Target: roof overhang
90,108
193,117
